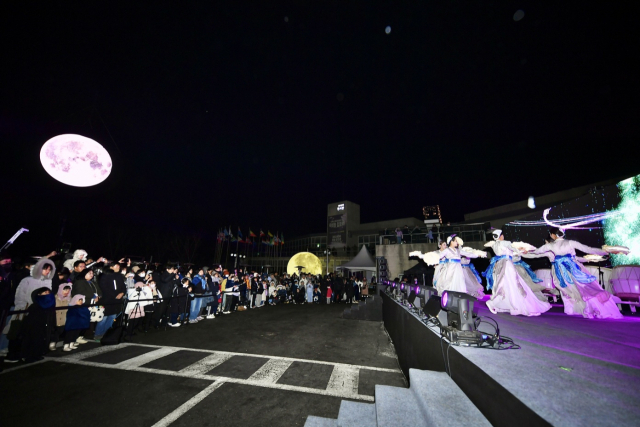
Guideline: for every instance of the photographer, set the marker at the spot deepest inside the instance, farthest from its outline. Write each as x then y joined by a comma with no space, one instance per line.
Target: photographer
168,281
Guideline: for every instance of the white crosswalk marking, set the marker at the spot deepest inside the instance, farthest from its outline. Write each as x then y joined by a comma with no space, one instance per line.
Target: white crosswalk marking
271,371
344,380
143,359
205,365
180,411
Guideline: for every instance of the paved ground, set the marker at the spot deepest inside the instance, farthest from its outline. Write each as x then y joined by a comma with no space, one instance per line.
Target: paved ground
269,366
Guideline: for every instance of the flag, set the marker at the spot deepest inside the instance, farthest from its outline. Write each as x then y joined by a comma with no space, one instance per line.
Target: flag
239,234
282,239
261,233
252,234
226,233
233,239
276,240
269,233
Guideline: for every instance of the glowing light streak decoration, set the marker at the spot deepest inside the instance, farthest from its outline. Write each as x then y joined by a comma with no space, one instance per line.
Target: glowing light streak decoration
75,160
573,223
625,229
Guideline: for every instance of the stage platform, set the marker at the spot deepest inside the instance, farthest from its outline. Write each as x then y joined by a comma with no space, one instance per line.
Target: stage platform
569,370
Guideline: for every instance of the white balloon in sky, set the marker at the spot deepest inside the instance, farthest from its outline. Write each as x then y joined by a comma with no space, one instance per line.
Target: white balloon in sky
531,203
387,30
75,160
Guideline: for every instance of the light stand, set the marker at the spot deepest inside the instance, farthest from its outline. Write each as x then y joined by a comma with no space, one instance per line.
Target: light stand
13,239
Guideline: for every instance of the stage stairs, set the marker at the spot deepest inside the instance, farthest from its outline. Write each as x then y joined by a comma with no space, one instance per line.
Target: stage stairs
433,399
368,309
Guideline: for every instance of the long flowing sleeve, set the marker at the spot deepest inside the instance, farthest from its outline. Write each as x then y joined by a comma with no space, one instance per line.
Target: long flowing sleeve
587,249
542,249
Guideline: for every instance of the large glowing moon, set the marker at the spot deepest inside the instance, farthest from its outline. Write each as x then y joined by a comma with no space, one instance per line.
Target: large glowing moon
75,160
310,262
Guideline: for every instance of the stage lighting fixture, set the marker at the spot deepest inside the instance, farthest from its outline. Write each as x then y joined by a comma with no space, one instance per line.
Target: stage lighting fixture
414,291
459,307
426,292
433,308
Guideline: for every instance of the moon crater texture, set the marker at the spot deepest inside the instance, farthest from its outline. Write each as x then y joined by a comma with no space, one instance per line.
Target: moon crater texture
75,160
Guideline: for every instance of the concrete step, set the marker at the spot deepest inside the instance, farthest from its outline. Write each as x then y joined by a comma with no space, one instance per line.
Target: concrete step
442,401
357,414
398,407
313,421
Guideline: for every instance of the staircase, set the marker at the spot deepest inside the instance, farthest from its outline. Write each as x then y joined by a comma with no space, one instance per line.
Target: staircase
432,400
368,309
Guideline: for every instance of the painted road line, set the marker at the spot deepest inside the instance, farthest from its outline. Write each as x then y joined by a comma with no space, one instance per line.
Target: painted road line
143,359
344,381
205,365
182,409
271,371
336,392
94,352
322,362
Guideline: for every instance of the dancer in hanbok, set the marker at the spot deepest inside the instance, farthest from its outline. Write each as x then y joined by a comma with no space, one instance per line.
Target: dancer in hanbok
436,273
451,276
510,291
581,293
472,279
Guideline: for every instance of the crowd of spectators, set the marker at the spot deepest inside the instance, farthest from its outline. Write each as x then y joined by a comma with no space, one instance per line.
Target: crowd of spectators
55,302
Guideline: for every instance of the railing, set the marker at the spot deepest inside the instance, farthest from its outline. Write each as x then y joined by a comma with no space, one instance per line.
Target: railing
424,237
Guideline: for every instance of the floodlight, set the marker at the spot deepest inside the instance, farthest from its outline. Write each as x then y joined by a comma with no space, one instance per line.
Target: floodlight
459,307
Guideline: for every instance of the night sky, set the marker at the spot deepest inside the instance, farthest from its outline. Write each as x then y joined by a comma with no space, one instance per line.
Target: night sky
259,114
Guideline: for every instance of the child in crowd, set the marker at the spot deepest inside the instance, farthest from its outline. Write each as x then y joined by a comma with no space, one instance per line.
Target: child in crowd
329,294
63,296
78,319
317,295
179,303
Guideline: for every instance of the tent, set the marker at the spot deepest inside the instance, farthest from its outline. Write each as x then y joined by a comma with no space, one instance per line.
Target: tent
362,262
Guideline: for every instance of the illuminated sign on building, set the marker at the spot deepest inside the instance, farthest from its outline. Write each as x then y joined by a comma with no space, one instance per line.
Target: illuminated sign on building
341,207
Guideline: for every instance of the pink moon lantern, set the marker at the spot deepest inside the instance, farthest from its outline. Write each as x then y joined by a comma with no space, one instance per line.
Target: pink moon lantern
75,160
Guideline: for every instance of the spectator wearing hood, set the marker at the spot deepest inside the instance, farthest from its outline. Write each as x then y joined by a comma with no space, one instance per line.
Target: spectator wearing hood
78,255
63,297
41,275
37,325
78,320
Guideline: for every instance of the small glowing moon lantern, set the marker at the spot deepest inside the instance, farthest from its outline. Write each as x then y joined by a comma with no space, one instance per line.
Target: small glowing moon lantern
310,262
531,203
75,160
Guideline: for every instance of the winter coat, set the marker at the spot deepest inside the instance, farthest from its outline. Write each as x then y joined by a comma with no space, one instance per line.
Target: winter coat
61,315
199,284
37,325
33,282
167,282
112,284
179,300
78,318
86,288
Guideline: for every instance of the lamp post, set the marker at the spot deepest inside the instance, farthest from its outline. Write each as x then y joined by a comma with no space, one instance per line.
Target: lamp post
326,252
236,256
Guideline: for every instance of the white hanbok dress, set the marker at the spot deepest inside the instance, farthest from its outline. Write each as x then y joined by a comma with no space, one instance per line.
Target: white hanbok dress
451,276
438,268
511,292
581,293
474,287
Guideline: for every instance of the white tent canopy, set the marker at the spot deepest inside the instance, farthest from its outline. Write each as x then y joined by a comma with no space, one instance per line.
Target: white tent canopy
362,262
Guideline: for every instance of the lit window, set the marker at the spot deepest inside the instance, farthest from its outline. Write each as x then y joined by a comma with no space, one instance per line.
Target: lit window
341,207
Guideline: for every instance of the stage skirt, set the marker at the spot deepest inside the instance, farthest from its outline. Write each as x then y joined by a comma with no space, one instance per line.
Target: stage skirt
585,299
536,288
472,286
511,292
451,277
